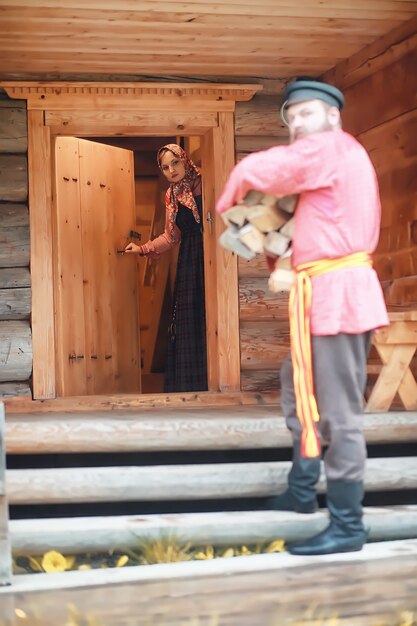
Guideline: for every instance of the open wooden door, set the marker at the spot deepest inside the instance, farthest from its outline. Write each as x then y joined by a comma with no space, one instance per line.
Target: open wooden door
96,308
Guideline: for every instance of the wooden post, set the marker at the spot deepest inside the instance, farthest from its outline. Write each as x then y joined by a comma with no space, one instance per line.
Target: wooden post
41,265
5,547
226,264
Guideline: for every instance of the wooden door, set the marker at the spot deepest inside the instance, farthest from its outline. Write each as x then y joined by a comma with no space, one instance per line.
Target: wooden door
96,310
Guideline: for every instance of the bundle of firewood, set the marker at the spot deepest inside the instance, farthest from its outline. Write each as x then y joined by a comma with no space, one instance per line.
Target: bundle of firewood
263,224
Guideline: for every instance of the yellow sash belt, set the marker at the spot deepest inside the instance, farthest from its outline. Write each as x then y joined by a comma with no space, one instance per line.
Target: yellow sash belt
299,311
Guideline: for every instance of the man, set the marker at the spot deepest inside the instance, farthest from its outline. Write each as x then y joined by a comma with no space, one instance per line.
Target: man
334,305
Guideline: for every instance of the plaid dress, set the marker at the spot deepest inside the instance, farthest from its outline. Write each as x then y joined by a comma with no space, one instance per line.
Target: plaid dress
186,367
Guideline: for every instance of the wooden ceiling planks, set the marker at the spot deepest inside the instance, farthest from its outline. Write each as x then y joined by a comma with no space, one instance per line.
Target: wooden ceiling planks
270,38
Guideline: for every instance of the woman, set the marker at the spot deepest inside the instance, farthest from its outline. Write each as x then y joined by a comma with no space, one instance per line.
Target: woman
186,368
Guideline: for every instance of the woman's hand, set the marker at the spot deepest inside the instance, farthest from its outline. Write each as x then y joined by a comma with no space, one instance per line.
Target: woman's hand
133,248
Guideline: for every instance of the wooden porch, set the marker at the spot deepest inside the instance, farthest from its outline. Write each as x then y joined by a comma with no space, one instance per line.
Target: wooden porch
109,439
362,589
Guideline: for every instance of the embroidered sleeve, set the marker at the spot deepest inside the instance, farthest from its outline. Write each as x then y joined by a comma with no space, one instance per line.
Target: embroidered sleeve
155,247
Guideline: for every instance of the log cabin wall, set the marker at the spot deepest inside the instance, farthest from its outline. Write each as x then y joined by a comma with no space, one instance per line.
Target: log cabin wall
264,326
380,85
15,290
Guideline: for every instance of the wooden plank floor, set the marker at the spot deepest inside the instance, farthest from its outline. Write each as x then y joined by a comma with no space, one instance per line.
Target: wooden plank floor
367,588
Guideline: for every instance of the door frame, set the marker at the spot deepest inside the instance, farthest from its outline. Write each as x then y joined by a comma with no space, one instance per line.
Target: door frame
134,110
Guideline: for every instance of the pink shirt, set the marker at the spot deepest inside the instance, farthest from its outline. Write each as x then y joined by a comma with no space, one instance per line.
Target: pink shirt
338,213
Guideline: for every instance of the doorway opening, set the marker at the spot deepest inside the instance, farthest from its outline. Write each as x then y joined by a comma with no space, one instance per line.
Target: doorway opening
119,197
85,110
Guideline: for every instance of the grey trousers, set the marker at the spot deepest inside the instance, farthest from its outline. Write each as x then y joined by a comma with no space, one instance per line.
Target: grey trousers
339,371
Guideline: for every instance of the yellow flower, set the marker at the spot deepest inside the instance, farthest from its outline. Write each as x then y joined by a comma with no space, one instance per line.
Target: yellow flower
206,555
228,553
407,618
276,546
122,561
55,562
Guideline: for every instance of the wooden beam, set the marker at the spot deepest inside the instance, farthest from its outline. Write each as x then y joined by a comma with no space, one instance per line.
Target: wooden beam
258,303
40,202
96,534
132,402
210,243
375,57
96,95
13,178
15,351
244,427
14,277
13,128
15,304
129,123
14,235
177,482
5,546
226,264
13,390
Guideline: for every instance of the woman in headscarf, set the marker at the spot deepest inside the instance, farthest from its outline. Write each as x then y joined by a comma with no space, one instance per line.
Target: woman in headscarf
186,367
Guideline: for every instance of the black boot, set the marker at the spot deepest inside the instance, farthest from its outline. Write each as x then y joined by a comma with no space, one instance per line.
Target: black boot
301,494
345,532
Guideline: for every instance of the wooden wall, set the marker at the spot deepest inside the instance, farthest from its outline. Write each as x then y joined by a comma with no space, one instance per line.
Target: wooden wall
264,327
380,85
15,292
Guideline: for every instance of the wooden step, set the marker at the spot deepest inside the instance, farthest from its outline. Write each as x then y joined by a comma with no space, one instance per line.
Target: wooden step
374,586
88,534
182,482
163,429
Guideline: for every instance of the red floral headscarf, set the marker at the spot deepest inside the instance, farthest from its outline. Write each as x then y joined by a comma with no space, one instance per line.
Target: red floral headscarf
180,192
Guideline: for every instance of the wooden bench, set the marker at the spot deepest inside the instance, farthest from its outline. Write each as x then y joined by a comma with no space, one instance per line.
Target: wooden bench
396,346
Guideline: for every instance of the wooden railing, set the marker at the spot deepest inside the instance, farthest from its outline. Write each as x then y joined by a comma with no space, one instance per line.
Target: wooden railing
5,548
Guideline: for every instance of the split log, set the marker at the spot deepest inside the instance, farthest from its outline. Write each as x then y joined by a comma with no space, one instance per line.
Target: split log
253,268
15,304
13,128
13,390
14,277
14,235
258,303
13,178
263,344
260,380
96,534
183,482
5,547
15,351
245,427
260,117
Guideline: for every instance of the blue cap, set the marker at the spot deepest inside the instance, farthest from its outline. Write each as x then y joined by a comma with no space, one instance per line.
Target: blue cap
303,90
